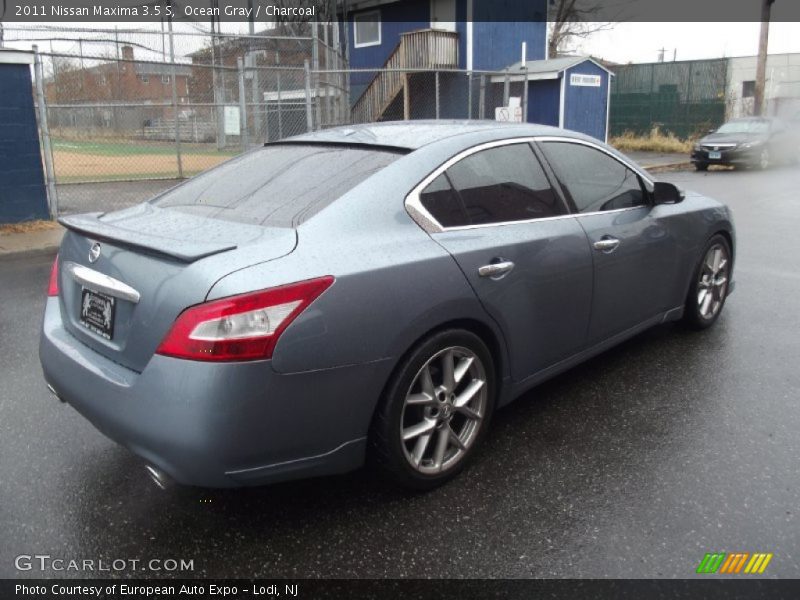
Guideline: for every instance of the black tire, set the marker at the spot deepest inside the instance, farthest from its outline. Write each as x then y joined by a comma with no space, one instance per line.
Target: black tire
388,451
701,166
764,160
693,314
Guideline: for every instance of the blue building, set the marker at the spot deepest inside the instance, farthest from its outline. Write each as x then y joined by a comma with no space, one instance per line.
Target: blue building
22,186
434,34
570,92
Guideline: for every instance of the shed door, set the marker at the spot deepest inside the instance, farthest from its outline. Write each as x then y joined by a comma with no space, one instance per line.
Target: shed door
443,14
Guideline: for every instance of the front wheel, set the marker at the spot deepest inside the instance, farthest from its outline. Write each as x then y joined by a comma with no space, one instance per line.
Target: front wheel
764,159
709,287
701,166
435,411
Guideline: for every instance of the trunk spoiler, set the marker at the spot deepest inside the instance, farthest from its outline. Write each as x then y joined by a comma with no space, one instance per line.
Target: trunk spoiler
142,232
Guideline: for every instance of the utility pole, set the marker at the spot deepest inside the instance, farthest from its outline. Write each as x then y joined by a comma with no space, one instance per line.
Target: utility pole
761,68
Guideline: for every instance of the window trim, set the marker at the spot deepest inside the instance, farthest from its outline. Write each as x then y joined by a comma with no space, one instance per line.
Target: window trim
356,43
424,219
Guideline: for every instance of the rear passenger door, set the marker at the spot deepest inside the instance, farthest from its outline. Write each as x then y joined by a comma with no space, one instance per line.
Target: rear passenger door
526,258
634,252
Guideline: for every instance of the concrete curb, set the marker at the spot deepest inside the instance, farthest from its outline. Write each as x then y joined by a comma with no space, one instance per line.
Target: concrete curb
15,245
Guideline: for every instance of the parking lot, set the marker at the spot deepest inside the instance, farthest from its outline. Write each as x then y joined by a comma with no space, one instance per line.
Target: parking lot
634,464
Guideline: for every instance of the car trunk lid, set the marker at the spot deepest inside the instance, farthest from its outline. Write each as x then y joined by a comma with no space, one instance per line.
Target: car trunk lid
125,276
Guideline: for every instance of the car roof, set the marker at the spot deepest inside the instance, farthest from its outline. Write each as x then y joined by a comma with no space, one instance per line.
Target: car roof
411,135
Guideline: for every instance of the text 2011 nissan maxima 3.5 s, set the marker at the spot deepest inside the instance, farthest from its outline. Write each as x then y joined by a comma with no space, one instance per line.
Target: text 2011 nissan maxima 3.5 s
367,293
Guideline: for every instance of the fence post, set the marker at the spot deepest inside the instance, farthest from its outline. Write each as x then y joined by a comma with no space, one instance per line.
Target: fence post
278,85
482,98
525,94
309,117
315,68
52,196
175,102
469,95
242,106
406,98
437,94
506,88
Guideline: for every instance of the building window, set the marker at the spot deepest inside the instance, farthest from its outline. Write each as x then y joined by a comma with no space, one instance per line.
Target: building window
367,29
748,89
165,79
145,78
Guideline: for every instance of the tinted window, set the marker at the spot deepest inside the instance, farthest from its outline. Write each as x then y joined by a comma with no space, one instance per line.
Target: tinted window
504,184
443,203
594,180
279,186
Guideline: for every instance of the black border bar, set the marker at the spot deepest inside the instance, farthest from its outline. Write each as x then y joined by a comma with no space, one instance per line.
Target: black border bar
406,589
142,11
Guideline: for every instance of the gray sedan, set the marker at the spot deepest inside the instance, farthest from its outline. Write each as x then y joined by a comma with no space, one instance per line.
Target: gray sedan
369,293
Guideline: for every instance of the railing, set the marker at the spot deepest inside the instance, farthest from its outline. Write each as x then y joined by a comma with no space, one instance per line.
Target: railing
424,49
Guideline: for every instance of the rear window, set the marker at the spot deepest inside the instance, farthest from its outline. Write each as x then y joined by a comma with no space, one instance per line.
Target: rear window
278,186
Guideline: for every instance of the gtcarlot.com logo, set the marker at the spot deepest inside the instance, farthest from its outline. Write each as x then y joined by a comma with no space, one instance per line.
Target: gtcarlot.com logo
734,563
45,562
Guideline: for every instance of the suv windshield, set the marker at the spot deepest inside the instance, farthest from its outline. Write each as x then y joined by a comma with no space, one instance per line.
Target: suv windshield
745,126
278,186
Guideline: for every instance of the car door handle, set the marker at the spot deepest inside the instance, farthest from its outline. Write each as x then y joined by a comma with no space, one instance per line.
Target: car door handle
496,270
607,244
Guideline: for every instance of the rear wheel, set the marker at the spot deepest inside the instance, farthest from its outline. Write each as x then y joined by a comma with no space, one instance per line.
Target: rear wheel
436,410
710,284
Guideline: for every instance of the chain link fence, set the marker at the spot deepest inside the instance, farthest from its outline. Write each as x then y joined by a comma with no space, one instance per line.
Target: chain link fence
682,98
128,113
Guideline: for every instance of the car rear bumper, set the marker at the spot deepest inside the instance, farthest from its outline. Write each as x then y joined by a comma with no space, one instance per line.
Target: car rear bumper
218,424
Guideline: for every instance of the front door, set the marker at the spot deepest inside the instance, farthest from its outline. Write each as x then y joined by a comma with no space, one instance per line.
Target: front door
527,260
634,252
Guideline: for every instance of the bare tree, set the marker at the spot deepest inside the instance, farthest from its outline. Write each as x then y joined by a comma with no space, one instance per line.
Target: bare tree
570,21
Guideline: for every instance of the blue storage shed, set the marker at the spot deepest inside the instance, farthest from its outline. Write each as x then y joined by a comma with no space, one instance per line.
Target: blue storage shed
22,186
570,92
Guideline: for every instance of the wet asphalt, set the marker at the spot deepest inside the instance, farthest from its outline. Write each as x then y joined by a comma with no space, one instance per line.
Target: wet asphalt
634,464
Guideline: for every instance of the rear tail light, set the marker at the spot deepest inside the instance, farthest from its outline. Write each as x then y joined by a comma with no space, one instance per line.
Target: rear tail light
52,287
244,327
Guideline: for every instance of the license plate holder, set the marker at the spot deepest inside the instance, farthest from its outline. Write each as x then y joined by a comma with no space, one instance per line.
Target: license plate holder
714,155
97,312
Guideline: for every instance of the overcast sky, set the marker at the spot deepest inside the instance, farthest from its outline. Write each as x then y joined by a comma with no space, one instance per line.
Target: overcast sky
641,42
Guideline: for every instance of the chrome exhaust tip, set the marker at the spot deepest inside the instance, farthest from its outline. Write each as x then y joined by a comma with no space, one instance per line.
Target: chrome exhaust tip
158,476
55,393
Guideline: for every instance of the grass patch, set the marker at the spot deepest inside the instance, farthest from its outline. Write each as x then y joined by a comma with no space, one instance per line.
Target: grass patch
100,178
120,148
27,227
655,141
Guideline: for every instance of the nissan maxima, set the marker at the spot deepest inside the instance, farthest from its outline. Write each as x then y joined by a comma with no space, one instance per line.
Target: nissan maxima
368,293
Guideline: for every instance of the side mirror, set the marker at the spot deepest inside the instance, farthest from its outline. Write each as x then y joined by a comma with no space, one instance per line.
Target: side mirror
666,193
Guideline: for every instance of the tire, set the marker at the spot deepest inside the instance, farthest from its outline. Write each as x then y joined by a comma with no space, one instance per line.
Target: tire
764,160
709,287
416,415
701,166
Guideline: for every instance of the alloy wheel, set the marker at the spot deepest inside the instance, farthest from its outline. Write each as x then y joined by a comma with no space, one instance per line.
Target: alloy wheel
443,410
713,281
